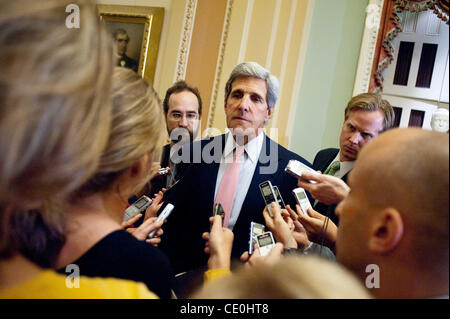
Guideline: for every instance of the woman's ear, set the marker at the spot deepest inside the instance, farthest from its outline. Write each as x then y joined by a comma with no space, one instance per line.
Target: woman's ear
386,232
140,167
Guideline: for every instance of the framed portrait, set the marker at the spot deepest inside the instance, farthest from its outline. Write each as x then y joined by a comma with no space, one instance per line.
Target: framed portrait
136,32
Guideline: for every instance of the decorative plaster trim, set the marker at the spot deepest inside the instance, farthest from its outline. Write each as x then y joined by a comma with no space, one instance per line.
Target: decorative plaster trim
219,65
368,46
299,73
185,41
273,35
246,30
287,46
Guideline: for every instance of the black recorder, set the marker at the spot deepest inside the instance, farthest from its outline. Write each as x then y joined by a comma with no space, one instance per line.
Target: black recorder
268,194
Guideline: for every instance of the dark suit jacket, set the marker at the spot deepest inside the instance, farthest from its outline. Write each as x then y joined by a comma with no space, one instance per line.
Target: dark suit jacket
127,62
193,198
321,162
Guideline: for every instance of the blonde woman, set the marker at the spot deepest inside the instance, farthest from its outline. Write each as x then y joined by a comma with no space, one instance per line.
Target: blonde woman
292,277
95,240
54,123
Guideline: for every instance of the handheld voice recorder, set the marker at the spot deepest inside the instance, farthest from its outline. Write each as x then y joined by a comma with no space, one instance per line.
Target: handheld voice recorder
296,169
164,215
268,194
265,243
302,199
137,207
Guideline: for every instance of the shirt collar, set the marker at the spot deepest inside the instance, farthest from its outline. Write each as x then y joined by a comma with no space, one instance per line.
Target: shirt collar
252,148
345,167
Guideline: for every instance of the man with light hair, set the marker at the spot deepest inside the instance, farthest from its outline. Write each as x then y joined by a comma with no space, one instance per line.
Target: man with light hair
230,171
395,220
365,117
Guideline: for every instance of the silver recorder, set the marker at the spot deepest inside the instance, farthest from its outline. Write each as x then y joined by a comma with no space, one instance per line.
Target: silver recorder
137,207
296,169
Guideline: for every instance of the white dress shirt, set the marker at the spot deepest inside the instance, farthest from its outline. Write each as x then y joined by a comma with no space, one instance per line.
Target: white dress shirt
250,159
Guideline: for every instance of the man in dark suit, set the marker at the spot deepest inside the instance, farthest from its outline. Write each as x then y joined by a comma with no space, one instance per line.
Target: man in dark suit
121,39
244,152
183,111
366,116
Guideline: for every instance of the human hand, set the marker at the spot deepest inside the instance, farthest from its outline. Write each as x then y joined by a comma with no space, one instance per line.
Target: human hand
157,202
314,222
327,189
272,257
146,228
130,222
299,232
219,242
278,226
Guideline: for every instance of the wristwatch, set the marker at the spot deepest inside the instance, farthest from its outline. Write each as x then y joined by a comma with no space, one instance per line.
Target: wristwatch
305,250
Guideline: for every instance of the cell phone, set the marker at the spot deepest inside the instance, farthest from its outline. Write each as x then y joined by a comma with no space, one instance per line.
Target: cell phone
255,230
279,198
164,215
137,207
302,200
296,169
265,243
268,194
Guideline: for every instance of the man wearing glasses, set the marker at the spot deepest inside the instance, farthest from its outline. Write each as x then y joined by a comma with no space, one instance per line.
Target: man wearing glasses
183,111
121,39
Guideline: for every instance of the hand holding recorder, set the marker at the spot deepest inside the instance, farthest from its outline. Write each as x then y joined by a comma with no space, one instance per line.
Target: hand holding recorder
326,189
275,254
318,228
219,243
279,227
155,206
161,218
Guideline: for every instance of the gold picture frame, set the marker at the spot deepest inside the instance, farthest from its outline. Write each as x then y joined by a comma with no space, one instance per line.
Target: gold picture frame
144,24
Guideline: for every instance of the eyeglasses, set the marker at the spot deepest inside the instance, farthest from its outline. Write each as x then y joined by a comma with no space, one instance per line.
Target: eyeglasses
122,40
177,116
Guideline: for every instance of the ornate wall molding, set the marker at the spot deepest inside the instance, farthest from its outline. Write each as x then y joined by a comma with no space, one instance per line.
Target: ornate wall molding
393,27
185,41
223,44
368,46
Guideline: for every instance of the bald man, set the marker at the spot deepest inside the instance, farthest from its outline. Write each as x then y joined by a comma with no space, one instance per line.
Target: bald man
395,218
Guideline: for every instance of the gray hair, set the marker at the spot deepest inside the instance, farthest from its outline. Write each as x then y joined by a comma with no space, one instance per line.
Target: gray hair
253,69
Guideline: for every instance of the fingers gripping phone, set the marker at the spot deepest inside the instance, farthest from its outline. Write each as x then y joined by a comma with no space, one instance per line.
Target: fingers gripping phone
137,207
255,230
302,199
296,169
164,215
265,243
268,194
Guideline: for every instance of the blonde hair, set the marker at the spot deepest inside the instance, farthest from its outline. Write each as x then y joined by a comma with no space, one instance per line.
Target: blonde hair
54,99
370,102
293,277
136,130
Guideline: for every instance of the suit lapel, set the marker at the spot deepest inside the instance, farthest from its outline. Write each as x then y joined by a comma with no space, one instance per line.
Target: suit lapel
209,173
253,196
